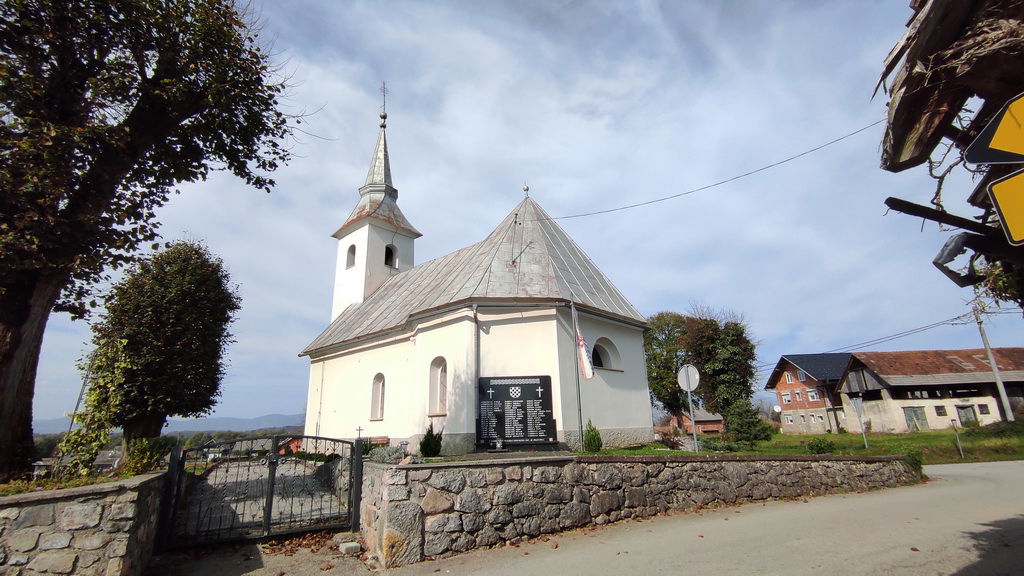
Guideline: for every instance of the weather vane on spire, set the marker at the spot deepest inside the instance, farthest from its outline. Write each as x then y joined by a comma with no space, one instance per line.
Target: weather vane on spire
384,105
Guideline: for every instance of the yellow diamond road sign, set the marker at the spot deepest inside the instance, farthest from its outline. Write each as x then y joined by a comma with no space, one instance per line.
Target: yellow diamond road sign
1002,142
1007,196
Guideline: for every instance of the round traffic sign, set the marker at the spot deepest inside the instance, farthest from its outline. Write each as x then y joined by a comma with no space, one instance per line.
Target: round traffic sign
688,378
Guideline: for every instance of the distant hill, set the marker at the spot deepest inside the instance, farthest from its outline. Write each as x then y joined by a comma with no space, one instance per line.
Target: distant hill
213,424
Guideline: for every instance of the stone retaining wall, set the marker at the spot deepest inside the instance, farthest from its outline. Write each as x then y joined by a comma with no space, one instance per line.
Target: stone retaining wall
102,529
414,512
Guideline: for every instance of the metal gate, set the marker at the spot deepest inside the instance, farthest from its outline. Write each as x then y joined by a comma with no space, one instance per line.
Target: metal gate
258,487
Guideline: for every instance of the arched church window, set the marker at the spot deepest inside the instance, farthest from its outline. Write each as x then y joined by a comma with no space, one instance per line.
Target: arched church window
377,398
350,260
606,355
390,255
438,396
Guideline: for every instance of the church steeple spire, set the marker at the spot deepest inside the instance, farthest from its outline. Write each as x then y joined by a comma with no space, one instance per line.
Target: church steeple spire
380,165
376,241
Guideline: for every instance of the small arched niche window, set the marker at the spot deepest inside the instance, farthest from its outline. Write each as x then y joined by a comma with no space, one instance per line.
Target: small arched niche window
438,396
377,398
606,355
350,260
390,255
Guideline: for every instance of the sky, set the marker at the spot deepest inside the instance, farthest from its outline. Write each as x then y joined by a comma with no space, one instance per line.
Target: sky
596,105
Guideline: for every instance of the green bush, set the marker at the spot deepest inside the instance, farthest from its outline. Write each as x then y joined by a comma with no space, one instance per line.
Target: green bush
430,444
387,454
821,446
710,445
744,425
592,438
915,461
144,454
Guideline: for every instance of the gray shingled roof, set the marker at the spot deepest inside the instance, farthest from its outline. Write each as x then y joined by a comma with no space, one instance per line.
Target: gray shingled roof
826,367
528,257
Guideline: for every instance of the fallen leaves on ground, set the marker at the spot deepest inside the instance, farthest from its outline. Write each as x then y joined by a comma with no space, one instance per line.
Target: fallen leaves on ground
314,541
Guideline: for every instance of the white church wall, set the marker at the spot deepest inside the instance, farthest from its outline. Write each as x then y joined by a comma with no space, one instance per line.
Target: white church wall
341,386
449,337
377,240
348,281
616,399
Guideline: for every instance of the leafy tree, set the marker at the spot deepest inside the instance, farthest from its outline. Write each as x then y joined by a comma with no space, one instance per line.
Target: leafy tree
744,424
104,108
171,313
663,347
716,343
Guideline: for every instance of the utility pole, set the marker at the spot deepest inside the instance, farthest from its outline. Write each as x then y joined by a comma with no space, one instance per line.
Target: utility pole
995,369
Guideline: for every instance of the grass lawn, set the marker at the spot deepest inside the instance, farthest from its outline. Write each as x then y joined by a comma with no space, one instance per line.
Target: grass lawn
1002,441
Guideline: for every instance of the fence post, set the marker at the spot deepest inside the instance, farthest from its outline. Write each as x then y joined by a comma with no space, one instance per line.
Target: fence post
355,494
268,509
169,500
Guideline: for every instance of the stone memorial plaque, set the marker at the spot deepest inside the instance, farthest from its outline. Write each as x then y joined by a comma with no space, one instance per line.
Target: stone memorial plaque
518,408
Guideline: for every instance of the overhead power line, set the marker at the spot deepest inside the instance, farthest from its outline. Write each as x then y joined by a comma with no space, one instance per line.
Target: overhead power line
964,318
722,182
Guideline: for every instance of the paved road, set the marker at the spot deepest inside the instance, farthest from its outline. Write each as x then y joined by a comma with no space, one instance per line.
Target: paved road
969,520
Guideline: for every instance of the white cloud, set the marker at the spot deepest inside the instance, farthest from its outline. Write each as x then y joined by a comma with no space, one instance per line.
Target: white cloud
596,105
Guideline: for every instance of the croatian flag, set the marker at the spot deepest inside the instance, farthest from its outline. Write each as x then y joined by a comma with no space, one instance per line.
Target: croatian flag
586,368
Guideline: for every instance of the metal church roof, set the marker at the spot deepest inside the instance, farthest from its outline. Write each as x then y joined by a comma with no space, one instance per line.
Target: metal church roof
527,258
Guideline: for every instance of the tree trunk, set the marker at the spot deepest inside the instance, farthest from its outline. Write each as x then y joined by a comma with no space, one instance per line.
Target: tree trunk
26,299
148,426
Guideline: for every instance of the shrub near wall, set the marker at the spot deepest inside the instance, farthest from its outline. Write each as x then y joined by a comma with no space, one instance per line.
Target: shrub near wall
414,512
101,529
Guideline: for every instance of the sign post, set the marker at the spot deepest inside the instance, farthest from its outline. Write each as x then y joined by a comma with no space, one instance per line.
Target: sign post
688,378
857,401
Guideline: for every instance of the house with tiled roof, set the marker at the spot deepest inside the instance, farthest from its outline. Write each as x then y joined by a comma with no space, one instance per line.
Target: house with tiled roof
483,343
805,391
913,390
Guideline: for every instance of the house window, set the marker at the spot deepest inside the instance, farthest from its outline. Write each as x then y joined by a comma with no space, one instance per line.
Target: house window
803,419
377,398
821,418
789,418
940,410
983,409
812,394
801,375
798,396
350,260
438,402
605,355
785,398
390,254
789,377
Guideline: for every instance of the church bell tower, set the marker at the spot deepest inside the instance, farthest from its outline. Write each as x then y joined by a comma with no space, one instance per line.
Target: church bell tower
377,241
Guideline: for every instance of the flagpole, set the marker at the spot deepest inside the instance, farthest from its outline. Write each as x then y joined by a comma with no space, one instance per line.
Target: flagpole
576,355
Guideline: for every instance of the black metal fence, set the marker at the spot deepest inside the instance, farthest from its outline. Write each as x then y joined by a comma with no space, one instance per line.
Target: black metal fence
258,487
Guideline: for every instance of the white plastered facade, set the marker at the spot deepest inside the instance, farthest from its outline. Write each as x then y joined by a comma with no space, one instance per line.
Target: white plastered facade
512,341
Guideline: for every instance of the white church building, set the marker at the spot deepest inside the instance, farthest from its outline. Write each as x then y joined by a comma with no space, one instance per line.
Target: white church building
481,343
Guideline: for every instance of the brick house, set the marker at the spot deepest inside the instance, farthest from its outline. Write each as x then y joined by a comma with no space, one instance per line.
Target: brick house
805,390
707,422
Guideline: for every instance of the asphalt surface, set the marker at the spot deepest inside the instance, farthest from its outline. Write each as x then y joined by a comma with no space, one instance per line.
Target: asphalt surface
967,520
